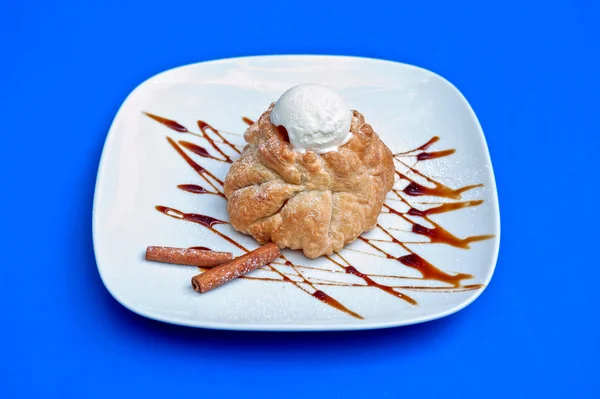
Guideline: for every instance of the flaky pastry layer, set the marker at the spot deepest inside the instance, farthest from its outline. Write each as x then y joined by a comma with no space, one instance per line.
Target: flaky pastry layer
316,203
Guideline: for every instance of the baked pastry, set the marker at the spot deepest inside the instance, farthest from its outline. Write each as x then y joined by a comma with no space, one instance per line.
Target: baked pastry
314,200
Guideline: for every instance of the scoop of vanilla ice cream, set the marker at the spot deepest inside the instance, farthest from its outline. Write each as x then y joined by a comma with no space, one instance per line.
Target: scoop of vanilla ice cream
315,117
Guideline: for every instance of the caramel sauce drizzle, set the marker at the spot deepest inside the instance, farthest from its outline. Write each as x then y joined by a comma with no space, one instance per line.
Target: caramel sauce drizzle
435,234
209,222
202,172
196,149
194,188
369,281
168,123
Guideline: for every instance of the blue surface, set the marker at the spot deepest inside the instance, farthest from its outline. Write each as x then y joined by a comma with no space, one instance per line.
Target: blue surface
529,69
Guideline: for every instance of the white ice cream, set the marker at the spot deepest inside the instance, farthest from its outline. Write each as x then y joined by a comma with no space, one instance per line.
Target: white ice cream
315,117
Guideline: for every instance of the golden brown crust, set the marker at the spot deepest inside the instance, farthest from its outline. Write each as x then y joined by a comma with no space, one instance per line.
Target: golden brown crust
317,203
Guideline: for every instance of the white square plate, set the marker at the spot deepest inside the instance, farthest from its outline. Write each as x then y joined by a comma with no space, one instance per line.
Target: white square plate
406,106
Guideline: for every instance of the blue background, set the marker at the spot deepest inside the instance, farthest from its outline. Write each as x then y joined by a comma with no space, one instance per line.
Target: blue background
529,69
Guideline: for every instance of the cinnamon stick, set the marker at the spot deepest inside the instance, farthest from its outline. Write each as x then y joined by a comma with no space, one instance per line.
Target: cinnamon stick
187,256
218,276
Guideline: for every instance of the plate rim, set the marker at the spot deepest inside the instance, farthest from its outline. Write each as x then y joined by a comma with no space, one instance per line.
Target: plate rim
296,327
